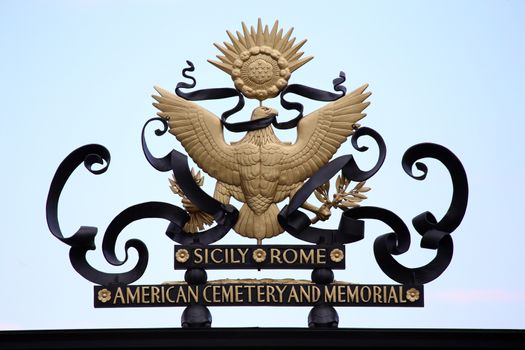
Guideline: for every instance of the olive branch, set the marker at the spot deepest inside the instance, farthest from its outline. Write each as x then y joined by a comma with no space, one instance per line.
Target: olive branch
198,218
343,198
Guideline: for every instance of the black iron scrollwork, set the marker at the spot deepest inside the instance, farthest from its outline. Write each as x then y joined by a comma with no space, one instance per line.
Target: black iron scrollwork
250,125
224,214
350,230
84,239
215,94
311,93
435,234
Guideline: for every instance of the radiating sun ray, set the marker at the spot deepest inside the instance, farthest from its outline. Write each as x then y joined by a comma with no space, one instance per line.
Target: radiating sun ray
259,60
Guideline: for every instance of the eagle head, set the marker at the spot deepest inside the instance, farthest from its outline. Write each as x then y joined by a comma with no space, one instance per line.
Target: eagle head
263,112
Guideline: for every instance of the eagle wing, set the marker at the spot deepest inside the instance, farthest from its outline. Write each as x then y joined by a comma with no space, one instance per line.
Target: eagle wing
320,134
200,133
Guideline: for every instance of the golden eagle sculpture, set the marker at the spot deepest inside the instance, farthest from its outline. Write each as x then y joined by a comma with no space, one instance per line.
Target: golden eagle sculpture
260,170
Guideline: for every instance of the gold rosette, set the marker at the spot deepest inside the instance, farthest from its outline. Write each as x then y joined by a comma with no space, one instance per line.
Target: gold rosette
337,255
104,295
259,255
182,255
413,294
260,61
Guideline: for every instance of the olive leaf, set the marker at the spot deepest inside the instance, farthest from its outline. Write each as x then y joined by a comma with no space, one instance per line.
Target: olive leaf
199,218
319,196
348,203
326,187
359,195
321,192
175,187
339,183
352,198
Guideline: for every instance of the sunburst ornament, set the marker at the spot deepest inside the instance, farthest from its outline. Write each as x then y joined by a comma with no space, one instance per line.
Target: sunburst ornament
260,61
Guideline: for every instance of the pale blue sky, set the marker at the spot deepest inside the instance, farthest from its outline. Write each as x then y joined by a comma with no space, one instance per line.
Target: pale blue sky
78,72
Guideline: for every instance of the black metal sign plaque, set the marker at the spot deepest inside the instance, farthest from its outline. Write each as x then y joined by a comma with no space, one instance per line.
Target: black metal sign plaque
261,172
231,293
260,257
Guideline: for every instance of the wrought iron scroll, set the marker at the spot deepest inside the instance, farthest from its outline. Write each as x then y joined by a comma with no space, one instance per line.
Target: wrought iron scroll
350,230
311,93
225,215
84,239
250,125
435,234
215,94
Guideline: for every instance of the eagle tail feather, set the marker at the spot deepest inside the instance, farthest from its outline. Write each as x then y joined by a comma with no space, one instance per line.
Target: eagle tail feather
257,226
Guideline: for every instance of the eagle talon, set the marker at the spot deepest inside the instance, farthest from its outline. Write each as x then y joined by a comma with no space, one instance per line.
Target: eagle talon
323,213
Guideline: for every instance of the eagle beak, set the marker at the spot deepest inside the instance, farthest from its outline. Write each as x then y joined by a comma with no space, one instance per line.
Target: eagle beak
273,113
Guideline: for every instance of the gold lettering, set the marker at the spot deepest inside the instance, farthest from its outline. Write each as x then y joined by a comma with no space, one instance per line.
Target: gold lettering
243,253
351,294
205,294
119,295
293,294
250,293
329,294
134,297
155,294
378,298
285,256
340,294
316,294
401,295
274,256
181,295
280,291
215,260
168,291
269,294
260,294
227,294
145,294
321,256
216,293
307,258
193,293
304,293
238,294
198,254
392,295
368,294
232,259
